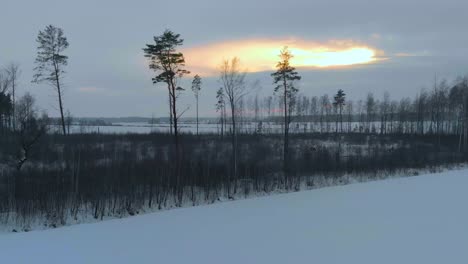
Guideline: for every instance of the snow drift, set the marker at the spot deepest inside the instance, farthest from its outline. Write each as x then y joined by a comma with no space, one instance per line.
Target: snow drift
407,220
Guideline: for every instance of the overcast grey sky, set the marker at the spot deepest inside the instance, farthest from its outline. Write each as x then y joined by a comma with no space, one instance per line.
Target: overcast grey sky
107,75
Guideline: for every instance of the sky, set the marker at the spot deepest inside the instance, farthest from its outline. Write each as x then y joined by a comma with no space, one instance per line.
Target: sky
359,46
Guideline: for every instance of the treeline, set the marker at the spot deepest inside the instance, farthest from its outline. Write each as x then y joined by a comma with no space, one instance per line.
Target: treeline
79,177
8,78
442,110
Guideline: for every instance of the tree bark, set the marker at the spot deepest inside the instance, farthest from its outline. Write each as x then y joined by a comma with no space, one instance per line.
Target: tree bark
234,146
59,91
286,132
197,114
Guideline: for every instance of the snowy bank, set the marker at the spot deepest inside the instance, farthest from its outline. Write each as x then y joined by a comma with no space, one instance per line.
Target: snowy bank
406,220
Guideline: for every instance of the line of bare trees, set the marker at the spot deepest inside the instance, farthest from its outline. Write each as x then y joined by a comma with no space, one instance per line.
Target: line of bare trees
20,122
83,176
19,119
441,110
8,86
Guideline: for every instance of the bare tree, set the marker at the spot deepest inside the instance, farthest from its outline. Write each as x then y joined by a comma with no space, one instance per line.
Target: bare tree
50,62
6,104
30,127
232,79
384,109
370,110
69,121
13,72
349,113
313,111
324,106
5,111
4,82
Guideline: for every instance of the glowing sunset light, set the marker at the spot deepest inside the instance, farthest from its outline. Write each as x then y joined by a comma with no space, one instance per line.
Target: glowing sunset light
333,58
262,55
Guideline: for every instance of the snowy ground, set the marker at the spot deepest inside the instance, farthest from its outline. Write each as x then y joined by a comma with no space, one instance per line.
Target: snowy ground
421,219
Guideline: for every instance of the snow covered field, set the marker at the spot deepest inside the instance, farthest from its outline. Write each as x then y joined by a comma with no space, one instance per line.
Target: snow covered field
413,220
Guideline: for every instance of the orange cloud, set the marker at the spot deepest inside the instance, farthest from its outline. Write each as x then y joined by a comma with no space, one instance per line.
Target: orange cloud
262,54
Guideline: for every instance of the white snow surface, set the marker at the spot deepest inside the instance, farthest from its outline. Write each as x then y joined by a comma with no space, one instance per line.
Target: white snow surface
421,219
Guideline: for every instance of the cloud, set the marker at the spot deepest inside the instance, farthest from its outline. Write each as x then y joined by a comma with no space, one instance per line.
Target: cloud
413,54
376,36
103,91
89,89
262,54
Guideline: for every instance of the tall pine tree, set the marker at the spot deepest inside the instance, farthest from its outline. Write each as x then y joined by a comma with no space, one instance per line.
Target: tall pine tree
285,78
168,64
196,87
51,62
339,102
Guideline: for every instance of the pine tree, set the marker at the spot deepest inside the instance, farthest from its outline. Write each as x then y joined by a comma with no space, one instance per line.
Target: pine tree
221,108
168,64
285,78
339,103
196,87
232,78
50,62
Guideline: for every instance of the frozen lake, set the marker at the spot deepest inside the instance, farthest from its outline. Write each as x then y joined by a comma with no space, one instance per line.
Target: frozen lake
245,127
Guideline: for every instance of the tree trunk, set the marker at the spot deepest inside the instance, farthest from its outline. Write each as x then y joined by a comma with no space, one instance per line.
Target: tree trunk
13,88
286,133
170,112
234,146
341,118
197,115
174,116
59,91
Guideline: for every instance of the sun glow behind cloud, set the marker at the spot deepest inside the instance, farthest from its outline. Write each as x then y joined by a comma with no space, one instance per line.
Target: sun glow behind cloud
262,54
